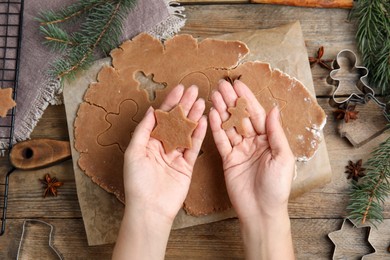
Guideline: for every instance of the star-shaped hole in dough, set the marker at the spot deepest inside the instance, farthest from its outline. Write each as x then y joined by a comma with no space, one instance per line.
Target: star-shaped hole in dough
237,115
122,126
6,101
173,129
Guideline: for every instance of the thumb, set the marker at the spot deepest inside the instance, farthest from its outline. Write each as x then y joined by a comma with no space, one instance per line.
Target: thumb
142,132
275,133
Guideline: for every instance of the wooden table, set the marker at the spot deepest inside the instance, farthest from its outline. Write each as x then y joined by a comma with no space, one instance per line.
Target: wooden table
313,215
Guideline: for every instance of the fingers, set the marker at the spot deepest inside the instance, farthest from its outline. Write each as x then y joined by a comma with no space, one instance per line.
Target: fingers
255,110
220,137
228,93
199,133
196,111
190,155
178,95
276,137
188,99
172,98
142,132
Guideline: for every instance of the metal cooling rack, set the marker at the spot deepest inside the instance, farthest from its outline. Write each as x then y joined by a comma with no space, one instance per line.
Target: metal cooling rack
11,21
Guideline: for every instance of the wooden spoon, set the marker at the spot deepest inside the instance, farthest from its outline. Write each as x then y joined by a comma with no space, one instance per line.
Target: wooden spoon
39,153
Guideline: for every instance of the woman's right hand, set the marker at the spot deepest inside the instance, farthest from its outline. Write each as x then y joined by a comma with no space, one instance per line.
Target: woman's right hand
258,168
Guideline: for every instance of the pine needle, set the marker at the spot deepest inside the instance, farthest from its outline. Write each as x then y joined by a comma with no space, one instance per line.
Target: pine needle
68,13
369,194
57,38
373,38
100,27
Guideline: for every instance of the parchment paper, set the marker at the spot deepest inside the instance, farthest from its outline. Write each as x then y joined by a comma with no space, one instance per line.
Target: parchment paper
282,47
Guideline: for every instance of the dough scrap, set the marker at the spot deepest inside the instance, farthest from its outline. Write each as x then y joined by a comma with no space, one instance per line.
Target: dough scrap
184,60
6,101
237,114
173,129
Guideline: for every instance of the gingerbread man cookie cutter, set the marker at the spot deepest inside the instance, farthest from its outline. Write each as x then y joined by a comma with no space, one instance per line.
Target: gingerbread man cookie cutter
50,238
345,73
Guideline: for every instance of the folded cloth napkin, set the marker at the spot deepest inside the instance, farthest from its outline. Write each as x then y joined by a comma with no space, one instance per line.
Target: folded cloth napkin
161,18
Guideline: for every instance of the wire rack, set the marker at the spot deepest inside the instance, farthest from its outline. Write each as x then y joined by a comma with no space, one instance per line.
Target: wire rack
11,21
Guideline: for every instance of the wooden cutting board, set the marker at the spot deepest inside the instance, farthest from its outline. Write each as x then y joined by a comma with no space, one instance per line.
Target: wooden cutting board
282,47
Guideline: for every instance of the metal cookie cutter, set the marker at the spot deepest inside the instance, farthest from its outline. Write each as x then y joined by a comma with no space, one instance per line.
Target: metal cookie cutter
50,238
339,237
351,83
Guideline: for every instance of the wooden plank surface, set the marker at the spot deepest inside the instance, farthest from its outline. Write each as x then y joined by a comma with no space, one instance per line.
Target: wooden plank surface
314,215
219,240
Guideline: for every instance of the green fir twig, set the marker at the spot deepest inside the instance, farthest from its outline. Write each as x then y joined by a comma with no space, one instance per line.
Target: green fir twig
68,13
373,39
369,194
57,38
100,27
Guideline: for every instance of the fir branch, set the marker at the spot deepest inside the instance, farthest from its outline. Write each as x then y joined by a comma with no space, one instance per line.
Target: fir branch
373,38
100,30
72,11
94,41
369,194
57,38
79,58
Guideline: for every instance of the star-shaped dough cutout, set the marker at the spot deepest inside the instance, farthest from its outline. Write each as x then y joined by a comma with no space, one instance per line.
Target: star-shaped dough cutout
6,101
237,115
173,129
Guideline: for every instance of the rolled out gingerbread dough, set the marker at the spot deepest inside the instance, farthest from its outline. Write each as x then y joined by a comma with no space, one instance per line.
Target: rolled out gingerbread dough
184,60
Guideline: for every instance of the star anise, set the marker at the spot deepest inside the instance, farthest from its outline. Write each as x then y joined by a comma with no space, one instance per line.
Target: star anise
347,114
318,60
355,170
231,80
50,185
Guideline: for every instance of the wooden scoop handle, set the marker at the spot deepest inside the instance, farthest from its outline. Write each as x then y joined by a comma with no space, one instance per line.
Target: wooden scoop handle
39,153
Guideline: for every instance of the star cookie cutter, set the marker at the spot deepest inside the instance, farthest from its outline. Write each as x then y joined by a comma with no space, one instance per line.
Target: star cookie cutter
345,73
337,236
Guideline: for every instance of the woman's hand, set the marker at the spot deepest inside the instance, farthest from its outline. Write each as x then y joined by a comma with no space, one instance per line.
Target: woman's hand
258,168
156,182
